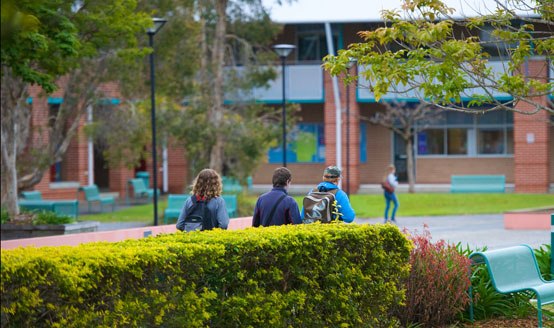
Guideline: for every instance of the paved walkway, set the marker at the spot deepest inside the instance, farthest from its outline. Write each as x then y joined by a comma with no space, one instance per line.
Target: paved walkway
121,225
474,230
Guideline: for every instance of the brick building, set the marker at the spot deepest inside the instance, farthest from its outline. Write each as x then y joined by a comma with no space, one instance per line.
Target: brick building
520,147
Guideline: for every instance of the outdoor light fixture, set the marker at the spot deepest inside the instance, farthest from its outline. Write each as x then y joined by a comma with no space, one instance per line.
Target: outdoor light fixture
158,24
351,62
283,50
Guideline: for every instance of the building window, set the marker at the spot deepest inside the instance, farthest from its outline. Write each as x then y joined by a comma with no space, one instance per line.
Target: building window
56,172
457,141
490,141
53,110
462,134
307,145
431,142
363,143
493,45
312,42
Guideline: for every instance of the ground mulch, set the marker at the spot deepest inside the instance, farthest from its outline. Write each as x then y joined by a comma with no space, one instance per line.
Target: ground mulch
509,323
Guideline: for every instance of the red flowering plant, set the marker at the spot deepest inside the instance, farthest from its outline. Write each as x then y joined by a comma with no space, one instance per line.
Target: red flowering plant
436,288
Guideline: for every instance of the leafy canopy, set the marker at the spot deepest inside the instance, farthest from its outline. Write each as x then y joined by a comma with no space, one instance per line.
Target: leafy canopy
43,40
448,60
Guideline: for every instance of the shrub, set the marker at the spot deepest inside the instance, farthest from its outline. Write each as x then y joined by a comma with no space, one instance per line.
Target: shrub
288,276
543,259
4,216
436,288
47,217
245,204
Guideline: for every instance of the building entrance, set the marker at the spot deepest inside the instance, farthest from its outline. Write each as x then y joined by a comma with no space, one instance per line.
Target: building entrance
101,170
400,160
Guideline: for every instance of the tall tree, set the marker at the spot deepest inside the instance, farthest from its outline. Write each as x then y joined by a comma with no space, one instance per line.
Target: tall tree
205,102
406,121
423,48
233,32
77,40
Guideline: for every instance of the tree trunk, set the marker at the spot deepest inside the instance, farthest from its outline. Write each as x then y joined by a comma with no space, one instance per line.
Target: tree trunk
410,160
15,130
218,62
9,175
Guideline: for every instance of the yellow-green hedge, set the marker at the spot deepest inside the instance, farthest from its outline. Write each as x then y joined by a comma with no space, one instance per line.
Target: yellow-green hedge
290,276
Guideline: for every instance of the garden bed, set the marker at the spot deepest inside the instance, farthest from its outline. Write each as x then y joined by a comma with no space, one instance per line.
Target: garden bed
503,323
26,230
534,219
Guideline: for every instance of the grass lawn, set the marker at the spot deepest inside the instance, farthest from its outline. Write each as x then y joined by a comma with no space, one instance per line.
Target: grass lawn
449,204
373,206
136,213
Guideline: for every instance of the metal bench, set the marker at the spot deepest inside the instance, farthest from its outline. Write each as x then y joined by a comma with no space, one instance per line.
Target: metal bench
140,190
231,185
62,207
513,270
31,195
477,183
92,194
231,204
175,203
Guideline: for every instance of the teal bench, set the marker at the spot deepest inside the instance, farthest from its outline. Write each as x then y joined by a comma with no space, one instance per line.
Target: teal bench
140,190
92,195
62,207
175,203
477,183
231,204
31,195
513,270
231,185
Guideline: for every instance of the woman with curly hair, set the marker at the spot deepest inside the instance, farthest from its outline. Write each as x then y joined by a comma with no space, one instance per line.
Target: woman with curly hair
205,209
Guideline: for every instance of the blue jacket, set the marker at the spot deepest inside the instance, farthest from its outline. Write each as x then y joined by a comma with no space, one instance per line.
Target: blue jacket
285,213
348,214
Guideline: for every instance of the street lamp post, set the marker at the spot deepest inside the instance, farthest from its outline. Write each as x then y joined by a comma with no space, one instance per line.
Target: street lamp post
351,63
158,23
283,50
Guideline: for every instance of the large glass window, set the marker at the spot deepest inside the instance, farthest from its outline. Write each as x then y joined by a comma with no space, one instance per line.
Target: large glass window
306,145
463,134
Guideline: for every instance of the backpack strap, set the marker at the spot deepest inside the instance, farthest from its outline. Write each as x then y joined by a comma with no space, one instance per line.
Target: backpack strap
215,222
323,189
274,208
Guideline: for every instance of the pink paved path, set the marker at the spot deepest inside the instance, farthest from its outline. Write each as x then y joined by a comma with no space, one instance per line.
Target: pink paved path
109,236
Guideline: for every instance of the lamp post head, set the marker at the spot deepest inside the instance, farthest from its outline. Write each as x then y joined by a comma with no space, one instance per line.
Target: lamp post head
283,50
351,62
158,24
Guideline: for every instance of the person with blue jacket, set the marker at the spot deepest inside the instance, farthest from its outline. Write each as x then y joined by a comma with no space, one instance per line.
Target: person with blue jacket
331,177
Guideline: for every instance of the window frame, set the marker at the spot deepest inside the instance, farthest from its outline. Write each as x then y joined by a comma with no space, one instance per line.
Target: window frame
472,138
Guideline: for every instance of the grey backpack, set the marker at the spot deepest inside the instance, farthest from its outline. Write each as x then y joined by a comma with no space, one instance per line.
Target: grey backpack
319,206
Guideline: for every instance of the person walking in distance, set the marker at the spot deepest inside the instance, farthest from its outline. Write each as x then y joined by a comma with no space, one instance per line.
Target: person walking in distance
205,209
389,185
276,207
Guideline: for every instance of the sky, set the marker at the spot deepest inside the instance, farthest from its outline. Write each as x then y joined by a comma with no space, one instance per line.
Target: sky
306,11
